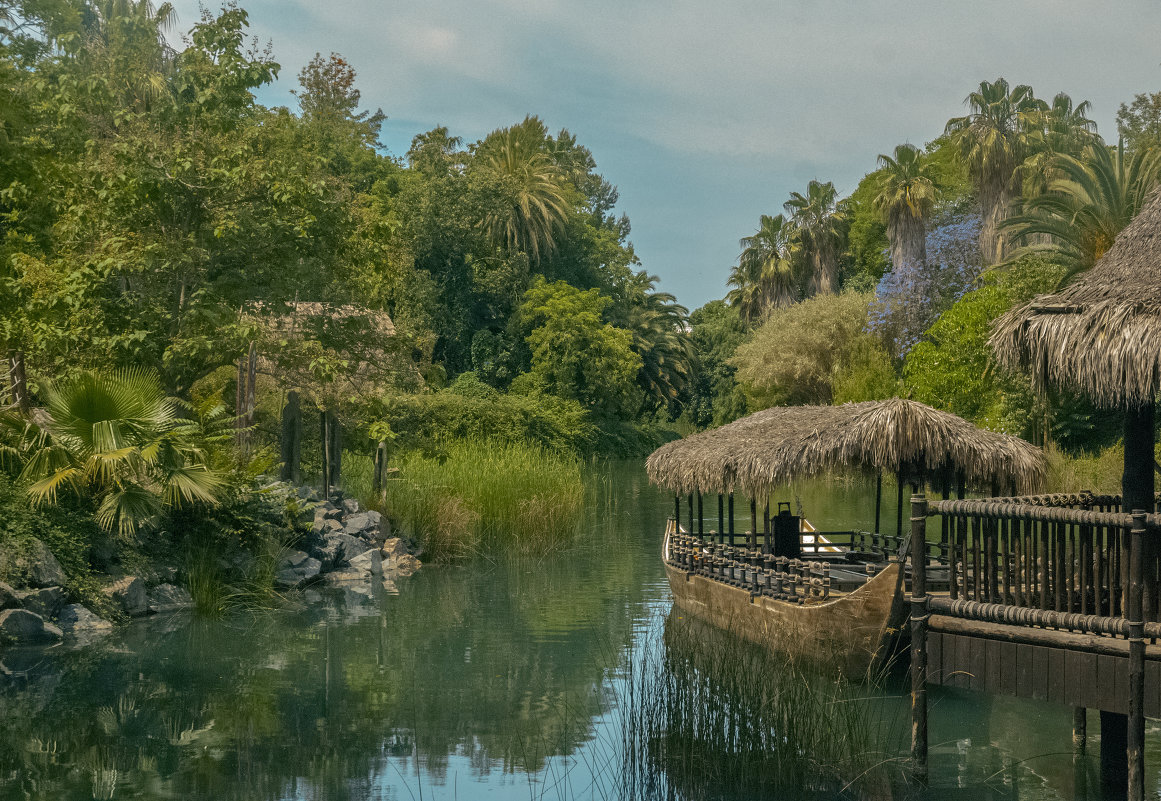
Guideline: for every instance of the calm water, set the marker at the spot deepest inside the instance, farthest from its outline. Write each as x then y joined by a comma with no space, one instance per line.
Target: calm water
477,682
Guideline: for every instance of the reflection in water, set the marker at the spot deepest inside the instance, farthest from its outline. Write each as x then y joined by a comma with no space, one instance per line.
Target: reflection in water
513,681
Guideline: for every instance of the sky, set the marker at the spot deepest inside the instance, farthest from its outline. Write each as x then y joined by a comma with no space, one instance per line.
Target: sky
707,115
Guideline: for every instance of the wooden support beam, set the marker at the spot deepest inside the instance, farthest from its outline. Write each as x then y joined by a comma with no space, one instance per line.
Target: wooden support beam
919,638
1135,746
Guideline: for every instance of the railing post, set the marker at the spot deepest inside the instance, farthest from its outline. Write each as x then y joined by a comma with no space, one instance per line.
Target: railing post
1136,738
919,637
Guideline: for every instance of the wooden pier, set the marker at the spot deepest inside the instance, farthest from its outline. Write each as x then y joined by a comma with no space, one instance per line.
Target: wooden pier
1053,598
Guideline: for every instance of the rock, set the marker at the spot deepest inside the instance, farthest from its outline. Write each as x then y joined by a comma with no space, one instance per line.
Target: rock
371,561
326,526
27,628
8,599
328,554
350,506
129,594
330,511
169,598
32,565
403,565
78,621
293,559
346,575
45,602
297,575
394,547
307,493
363,522
348,547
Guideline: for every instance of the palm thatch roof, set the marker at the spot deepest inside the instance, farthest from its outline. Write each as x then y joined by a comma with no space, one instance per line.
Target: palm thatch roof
772,447
1102,333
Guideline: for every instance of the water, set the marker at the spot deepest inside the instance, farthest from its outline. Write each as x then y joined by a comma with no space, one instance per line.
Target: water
492,681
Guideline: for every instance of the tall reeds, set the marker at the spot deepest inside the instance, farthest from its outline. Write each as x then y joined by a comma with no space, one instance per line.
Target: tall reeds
480,498
710,716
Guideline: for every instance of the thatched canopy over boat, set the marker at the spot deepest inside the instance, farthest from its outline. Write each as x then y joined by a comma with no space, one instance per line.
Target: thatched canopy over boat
1102,333
774,446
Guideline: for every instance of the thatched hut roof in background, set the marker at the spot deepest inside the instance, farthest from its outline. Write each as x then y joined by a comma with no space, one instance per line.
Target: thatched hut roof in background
1101,334
775,446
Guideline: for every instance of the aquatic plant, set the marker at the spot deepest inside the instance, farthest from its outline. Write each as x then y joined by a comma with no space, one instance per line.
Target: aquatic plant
480,498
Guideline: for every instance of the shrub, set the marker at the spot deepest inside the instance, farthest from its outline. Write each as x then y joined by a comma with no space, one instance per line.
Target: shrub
483,498
469,410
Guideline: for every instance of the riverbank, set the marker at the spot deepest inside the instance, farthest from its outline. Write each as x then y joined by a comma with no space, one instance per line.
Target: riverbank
323,544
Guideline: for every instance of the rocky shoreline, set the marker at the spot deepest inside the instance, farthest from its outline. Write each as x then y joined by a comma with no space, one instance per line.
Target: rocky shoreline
345,546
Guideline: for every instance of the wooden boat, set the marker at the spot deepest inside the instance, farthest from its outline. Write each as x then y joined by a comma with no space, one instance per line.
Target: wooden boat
830,597
851,630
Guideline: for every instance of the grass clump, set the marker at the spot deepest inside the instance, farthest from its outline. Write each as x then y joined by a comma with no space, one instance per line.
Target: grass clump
478,498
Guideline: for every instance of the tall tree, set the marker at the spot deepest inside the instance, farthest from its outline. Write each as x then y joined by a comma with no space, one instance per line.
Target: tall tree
820,227
764,276
992,140
1060,128
1087,203
659,325
905,199
536,196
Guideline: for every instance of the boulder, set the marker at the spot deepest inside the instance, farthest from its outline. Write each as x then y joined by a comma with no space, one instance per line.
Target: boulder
394,547
78,621
45,602
362,523
346,575
331,511
371,561
327,553
129,594
348,547
403,565
292,576
33,565
350,506
27,628
8,599
169,598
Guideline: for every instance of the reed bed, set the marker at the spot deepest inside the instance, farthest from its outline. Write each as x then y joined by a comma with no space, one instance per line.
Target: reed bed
707,715
482,499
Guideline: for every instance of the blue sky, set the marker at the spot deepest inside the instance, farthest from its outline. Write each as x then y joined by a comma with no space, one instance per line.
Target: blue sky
706,115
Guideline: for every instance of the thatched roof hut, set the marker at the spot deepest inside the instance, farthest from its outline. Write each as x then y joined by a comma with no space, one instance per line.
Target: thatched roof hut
1101,334
774,446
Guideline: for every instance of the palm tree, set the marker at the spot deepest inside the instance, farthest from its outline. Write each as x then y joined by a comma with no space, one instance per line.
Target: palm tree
659,325
819,228
764,276
128,39
118,438
1087,203
905,198
537,197
993,141
1060,128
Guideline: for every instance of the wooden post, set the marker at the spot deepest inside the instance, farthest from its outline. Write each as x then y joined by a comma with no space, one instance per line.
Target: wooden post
731,520
689,498
1135,751
335,449
766,527
18,381
325,435
753,521
899,506
721,516
291,439
700,518
919,638
878,498
677,512
379,487
1079,730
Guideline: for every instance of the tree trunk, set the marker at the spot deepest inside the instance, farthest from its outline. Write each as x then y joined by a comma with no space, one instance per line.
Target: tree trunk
18,381
240,406
996,197
292,439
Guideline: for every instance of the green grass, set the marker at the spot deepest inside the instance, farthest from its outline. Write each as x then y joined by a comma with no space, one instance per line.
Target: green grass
1100,472
480,499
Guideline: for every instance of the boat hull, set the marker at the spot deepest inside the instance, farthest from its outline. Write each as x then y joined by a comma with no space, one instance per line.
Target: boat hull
847,633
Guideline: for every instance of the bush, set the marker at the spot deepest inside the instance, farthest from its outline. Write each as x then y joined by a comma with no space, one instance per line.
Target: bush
794,356
485,499
470,410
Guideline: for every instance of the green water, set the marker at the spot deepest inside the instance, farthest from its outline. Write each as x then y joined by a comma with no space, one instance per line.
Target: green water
490,681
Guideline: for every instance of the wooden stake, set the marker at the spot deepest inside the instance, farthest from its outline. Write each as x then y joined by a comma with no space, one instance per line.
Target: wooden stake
919,615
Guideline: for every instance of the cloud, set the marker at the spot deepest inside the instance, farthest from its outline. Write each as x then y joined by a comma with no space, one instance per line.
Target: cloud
708,115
